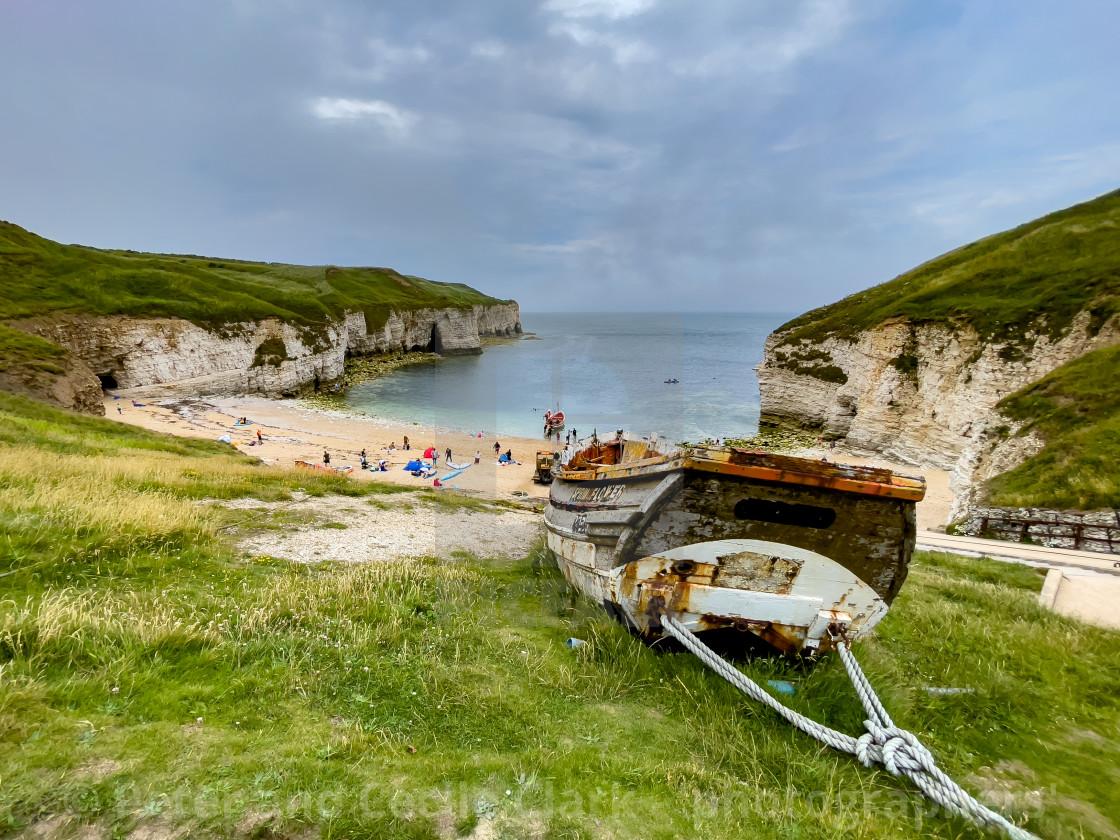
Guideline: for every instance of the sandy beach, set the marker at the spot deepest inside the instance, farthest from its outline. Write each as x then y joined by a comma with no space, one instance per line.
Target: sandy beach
292,432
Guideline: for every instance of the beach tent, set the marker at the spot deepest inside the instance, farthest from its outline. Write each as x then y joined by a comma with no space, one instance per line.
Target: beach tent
429,452
225,439
413,465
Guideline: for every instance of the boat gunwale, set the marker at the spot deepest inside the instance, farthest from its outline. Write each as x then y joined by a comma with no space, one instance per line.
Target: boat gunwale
864,481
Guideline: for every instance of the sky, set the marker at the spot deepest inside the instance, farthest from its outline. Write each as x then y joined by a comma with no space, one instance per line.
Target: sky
623,155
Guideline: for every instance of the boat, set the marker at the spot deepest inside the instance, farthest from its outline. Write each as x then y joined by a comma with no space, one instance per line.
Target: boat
554,422
760,550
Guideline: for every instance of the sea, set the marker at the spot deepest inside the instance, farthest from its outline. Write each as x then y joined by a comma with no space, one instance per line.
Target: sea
686,377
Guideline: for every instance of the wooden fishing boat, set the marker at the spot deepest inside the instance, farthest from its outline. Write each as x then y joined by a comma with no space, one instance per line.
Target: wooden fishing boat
555,422
790,551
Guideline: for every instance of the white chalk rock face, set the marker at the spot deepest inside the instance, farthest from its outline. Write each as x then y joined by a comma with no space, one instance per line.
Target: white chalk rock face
919,394
260,357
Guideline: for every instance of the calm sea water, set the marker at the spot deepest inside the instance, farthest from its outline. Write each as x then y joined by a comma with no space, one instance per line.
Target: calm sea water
605,371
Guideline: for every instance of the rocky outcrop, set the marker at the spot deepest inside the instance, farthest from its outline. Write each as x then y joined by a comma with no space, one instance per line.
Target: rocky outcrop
267,357
69,383
921,394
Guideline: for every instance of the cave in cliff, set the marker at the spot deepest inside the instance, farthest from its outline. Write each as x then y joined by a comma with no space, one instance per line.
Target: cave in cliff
108,381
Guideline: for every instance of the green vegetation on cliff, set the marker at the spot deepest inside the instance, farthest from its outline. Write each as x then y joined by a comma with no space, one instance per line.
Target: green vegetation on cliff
1036,276
155,679
1076,410
25,352
41,277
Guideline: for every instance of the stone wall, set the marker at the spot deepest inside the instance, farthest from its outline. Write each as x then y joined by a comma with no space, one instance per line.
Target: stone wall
1095,530
171,356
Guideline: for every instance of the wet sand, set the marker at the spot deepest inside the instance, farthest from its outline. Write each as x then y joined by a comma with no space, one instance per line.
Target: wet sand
292,432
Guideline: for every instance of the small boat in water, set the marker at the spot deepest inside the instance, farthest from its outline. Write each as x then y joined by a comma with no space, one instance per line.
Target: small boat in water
750,545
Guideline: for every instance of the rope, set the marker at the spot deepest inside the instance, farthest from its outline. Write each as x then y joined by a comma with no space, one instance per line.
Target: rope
884,743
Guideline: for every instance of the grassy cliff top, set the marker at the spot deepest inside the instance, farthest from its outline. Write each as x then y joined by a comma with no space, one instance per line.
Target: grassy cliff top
41,277
1053,267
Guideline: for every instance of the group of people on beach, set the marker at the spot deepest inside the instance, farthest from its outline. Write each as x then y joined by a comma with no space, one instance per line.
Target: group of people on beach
430,454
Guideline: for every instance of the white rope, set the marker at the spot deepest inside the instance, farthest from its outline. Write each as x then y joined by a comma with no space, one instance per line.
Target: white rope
884,743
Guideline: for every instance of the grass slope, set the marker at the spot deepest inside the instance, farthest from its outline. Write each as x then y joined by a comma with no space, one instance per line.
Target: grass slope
1076,409
152,678
30,352
41,277
1053,267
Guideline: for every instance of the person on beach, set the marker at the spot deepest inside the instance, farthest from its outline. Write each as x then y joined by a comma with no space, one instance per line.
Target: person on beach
365,463
575,437
447,456
260,439
326,458
497,449
406,446
119,410
478,456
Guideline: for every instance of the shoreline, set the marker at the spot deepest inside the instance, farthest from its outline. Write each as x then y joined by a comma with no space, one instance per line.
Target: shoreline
298,432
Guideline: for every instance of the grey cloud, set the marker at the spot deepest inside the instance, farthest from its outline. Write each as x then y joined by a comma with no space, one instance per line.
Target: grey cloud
771,155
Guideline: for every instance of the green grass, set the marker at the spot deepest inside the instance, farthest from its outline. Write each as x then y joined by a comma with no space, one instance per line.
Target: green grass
1038,275
438,697
30,352
41,277
1076,410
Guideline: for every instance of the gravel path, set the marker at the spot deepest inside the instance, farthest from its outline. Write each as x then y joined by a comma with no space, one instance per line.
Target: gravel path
349,530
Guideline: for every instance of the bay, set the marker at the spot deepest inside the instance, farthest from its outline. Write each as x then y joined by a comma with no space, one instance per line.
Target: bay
606,371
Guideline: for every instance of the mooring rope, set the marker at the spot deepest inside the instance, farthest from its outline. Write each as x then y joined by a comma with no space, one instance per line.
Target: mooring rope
884,743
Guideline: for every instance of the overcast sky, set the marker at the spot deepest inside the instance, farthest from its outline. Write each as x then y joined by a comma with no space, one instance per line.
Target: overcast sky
766,155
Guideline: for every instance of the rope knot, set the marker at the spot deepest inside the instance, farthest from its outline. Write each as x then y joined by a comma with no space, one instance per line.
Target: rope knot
898,750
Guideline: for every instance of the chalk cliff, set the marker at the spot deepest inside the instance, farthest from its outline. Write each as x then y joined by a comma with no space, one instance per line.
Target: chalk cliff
269,356
923,394
917,368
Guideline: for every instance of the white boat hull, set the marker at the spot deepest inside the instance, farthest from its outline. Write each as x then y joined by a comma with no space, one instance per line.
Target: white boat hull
792,598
